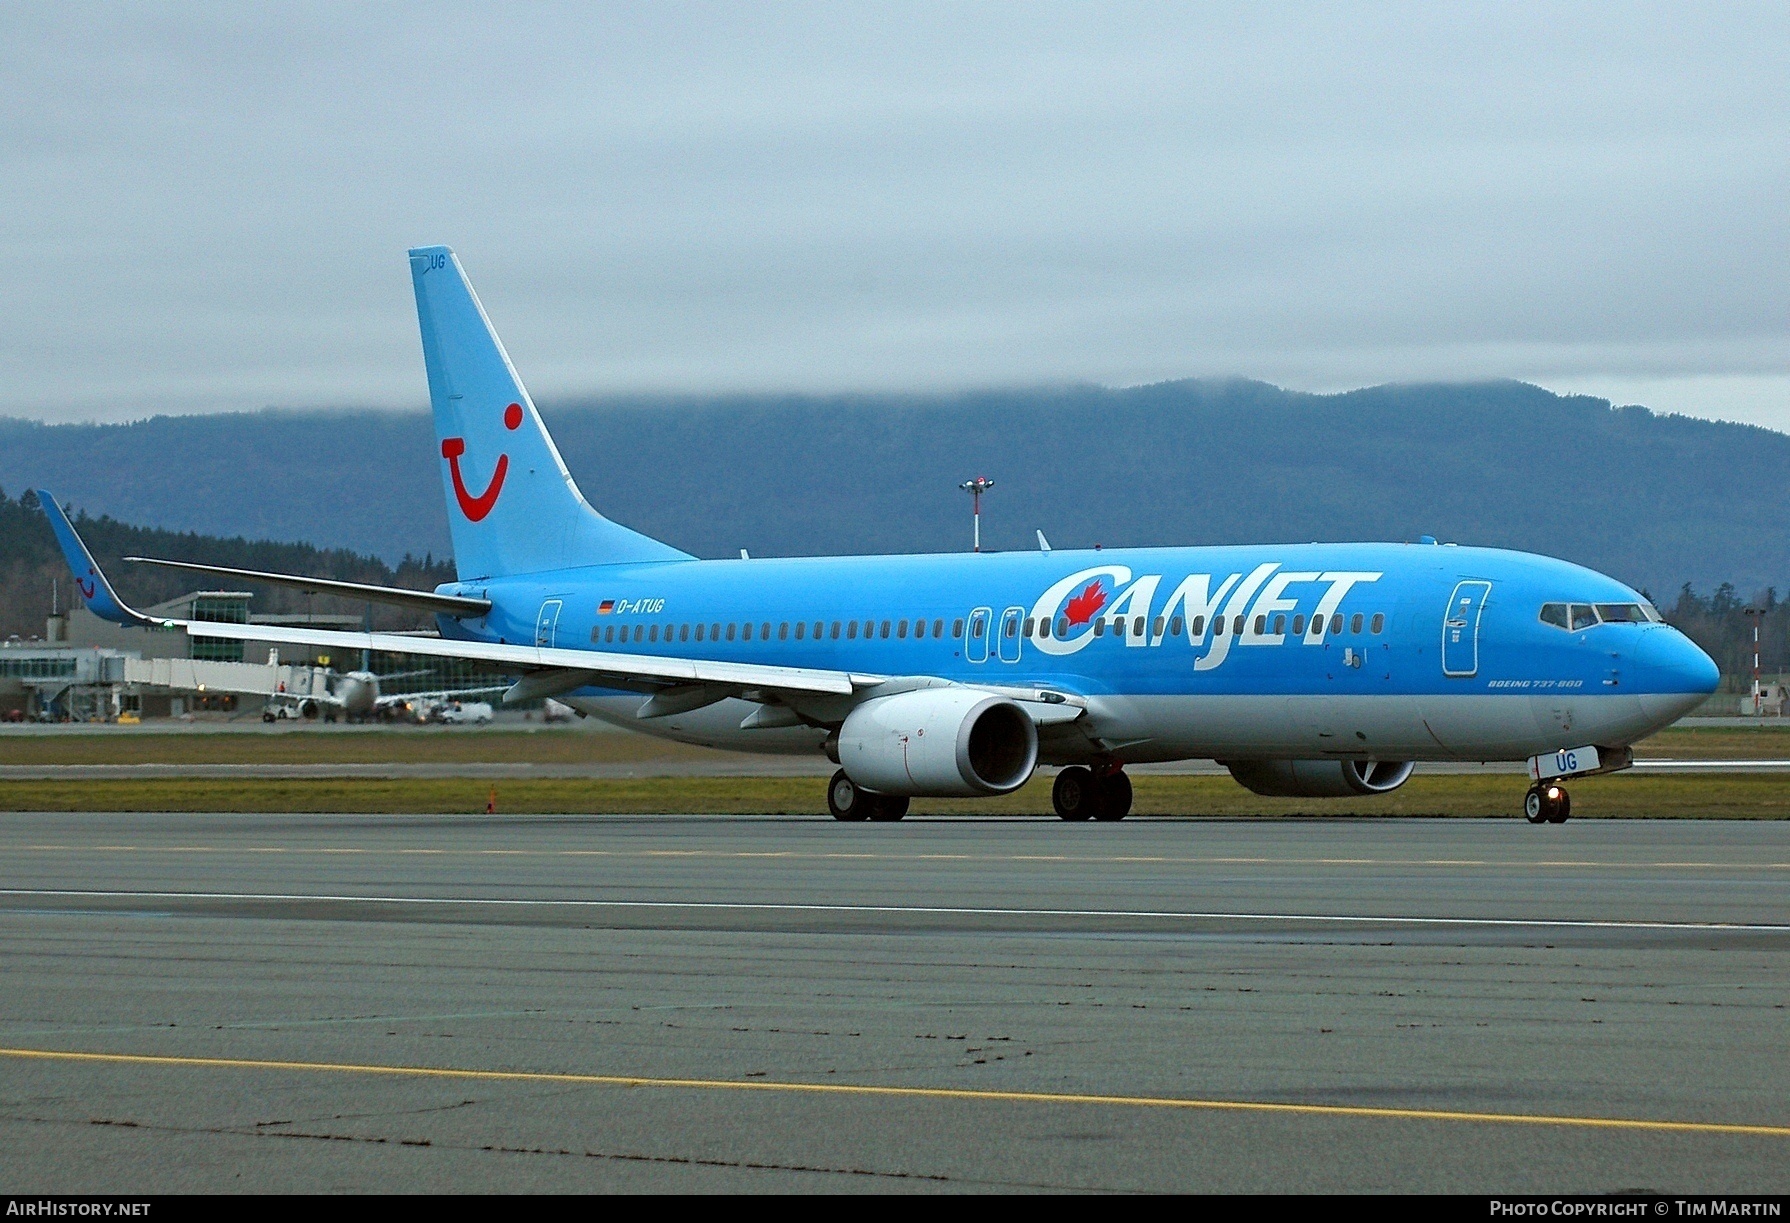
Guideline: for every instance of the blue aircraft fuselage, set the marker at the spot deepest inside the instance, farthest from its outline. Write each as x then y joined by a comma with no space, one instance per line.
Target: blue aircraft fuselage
1427,651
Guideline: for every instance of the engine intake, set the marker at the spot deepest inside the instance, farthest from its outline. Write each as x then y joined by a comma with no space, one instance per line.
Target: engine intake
1320,778
941,742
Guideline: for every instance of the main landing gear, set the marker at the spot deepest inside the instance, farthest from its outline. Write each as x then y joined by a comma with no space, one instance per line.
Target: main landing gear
847,801
1082,794
1547,803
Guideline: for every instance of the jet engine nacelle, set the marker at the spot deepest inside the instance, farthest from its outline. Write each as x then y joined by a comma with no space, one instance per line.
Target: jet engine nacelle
939,741
1320,778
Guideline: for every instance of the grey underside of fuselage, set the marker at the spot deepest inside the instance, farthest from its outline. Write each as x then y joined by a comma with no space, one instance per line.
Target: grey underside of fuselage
1147,729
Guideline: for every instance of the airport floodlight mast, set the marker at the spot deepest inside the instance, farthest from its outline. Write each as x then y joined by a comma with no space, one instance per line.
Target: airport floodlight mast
1755,614
975,488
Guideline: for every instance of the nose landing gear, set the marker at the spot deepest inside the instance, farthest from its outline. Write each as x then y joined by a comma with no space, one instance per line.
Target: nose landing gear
1547,803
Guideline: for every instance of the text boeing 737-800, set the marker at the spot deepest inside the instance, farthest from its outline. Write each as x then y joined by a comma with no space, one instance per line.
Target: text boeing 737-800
1312,670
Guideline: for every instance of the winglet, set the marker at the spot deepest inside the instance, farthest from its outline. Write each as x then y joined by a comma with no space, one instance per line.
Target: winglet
102,601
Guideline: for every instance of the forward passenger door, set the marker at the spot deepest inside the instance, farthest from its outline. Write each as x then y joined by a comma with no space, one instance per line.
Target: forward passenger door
1460,629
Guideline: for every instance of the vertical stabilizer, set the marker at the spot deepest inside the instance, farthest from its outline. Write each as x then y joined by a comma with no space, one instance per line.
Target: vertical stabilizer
512,505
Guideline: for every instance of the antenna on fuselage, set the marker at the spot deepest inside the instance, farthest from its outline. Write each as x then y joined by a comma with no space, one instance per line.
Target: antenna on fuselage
1043,543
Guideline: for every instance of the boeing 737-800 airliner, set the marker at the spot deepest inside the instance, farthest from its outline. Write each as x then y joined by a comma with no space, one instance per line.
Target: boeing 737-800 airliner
1309,670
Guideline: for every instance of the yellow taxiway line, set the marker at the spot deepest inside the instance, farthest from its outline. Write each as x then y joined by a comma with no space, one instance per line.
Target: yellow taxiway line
972,1095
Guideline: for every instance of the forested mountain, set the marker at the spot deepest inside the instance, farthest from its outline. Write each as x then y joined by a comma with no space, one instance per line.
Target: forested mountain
1654,500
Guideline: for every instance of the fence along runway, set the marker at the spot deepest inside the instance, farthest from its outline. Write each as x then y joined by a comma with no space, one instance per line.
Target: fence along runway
1029,982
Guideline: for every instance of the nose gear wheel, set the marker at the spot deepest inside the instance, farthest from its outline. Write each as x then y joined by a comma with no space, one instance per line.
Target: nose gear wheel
1547,804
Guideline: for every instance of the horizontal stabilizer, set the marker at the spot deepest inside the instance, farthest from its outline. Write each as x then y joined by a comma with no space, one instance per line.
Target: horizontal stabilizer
423,600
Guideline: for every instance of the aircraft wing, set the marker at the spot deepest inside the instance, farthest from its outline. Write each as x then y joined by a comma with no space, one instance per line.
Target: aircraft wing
101,599
550,671
421,600
673,684
388,700
600,668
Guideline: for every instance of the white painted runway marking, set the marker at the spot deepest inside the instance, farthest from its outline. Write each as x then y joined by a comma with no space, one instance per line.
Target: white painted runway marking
1335,919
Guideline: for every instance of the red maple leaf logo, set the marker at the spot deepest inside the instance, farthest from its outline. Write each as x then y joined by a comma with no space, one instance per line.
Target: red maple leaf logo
1082,607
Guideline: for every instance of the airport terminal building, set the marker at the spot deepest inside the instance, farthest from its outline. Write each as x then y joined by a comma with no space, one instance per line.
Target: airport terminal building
89,669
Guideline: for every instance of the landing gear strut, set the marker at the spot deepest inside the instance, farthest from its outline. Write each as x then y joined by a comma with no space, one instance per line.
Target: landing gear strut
1547,803
1081,794
848,801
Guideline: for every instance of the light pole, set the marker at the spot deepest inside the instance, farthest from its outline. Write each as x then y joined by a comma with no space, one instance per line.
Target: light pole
1756,614
975,488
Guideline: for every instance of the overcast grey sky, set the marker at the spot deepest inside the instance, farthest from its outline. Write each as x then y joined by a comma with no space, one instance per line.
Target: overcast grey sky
207,208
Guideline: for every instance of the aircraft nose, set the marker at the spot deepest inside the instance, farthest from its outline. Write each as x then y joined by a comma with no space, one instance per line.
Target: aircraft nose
1668,663
1670,674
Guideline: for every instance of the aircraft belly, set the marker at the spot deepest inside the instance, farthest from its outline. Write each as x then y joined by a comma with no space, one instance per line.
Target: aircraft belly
1389,727
1477,726
1616,718
716,725
1152,728
1143,729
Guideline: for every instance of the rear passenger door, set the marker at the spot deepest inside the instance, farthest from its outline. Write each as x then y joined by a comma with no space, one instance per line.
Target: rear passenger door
547,623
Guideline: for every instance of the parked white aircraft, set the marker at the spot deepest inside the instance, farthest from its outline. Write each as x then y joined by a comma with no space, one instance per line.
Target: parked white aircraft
356,696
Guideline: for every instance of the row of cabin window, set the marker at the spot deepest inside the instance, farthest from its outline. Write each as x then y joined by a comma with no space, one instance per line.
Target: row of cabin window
1042,628
607,634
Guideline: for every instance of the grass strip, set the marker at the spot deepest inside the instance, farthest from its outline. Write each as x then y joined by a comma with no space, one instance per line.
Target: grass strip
1620,796
316,745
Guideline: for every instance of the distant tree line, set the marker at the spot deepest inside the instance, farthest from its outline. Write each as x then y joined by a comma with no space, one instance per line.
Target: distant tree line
1720,624
31,564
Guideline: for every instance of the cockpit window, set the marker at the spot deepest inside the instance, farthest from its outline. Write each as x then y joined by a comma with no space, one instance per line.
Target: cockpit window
1575,616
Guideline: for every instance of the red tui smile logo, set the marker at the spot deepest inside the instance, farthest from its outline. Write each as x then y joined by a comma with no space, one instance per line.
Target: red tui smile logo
88,587
475,508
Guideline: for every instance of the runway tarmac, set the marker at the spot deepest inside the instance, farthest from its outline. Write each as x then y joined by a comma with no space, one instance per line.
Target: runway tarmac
277,1002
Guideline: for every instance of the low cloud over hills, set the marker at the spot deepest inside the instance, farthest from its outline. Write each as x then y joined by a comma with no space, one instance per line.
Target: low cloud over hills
1654,500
